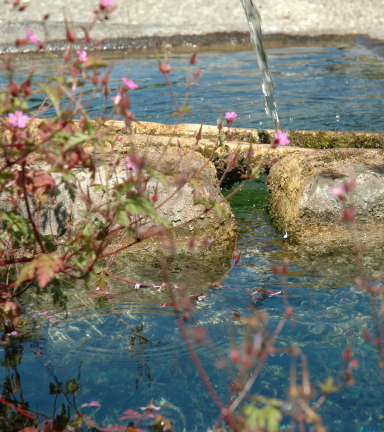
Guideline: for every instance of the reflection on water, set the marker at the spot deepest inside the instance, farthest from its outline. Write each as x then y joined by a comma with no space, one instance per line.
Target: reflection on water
327,88
129,348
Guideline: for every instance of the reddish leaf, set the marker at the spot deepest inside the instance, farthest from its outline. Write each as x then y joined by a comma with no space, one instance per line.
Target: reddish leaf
46,266
131,414
40,185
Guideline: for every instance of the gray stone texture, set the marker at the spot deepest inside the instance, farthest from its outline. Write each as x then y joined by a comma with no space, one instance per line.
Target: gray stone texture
64,213
301,201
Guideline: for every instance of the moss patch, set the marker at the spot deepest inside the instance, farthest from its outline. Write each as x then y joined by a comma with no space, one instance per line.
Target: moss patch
328,140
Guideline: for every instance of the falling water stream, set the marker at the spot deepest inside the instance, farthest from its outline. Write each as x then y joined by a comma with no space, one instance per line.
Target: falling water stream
254,23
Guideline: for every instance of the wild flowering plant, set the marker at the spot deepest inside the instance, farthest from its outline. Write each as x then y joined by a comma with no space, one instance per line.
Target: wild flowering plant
39,161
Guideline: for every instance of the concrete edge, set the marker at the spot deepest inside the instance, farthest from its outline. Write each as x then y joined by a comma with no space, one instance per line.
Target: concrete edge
304,139
139,37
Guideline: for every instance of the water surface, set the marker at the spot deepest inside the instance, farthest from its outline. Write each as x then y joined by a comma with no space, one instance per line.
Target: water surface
127,349
328,88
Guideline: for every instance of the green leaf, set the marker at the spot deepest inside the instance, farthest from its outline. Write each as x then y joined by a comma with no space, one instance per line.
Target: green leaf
273,418
61,420
52,94
59,297
122,217
94,62
6,175
160,221
220,210
87,279
138,204
53,389
328,387
75,140
161,177
27,273
87,230
266,418
222,138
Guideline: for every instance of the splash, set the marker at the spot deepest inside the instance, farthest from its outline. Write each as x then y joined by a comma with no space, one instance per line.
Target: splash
254,23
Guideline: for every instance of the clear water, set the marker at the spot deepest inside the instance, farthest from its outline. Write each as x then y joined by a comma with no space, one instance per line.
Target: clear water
128,349
254,24
326,88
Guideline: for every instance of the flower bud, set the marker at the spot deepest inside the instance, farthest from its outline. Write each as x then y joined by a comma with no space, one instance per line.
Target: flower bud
164,68
95,79
70,35
235,355
347,354
105,80
349,215
67,56
14,89
192,60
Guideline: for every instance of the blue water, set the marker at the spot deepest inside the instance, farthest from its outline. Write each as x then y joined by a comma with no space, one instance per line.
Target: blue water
127,350
327,88
121,372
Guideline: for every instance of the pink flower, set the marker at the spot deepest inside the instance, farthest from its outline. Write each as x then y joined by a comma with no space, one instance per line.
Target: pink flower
230,115
274,294
91,404
82,55
116,99
107,293
31,37
137,286
18,119
97,289
338,191
207,241
129,83
281,138
160,286
130,165
14,333
150,408
44,313
106,3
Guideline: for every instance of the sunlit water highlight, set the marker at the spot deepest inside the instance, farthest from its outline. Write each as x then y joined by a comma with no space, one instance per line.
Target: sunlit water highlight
317,88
